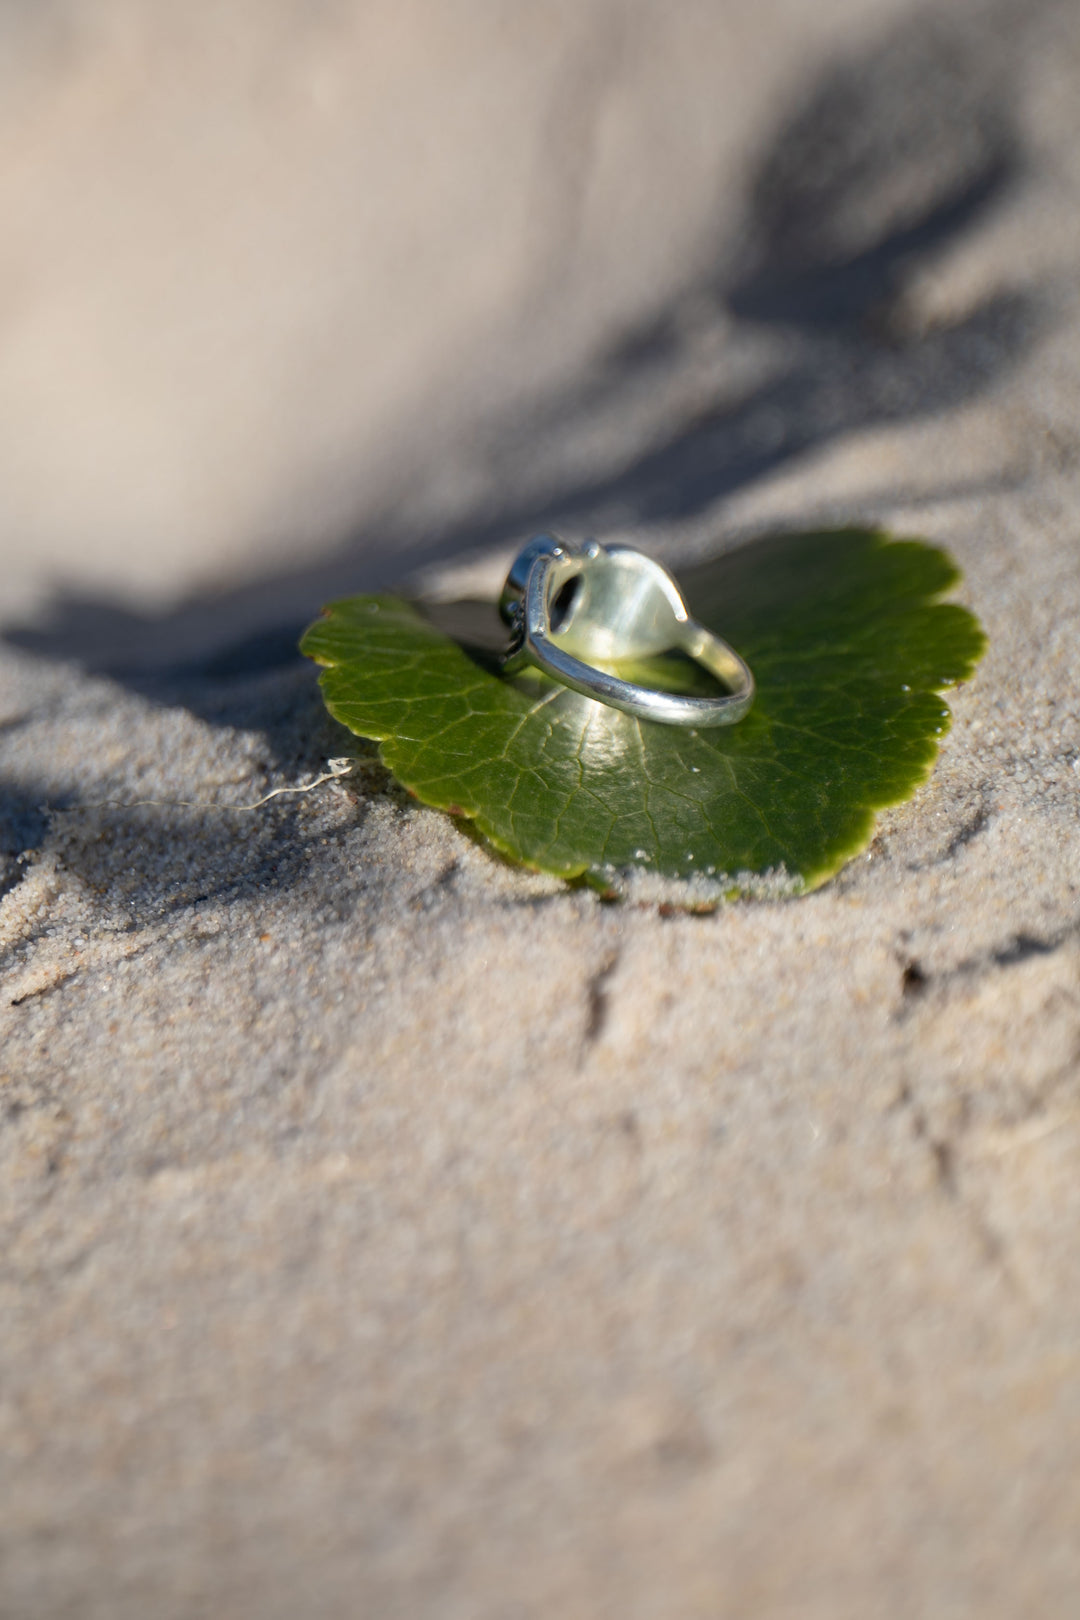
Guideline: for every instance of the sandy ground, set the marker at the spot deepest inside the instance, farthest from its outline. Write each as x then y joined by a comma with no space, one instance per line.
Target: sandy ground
390,1233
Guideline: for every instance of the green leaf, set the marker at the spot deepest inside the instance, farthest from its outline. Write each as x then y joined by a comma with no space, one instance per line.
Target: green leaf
850,650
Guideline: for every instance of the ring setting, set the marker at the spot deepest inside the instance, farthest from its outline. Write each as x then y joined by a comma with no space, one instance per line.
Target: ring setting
572,610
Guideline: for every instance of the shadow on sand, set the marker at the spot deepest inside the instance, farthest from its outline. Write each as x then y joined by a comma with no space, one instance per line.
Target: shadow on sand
892,157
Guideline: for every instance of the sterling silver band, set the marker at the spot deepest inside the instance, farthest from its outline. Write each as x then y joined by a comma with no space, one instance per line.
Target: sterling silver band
570,610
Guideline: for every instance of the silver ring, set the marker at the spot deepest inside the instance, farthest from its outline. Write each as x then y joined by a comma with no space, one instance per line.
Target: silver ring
571,610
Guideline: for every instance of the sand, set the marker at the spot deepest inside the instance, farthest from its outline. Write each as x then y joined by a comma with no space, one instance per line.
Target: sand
389,1232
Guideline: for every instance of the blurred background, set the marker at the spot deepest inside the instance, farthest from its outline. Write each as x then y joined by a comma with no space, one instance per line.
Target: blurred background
300,297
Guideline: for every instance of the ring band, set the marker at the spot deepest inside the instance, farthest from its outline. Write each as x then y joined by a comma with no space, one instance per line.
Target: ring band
570,610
